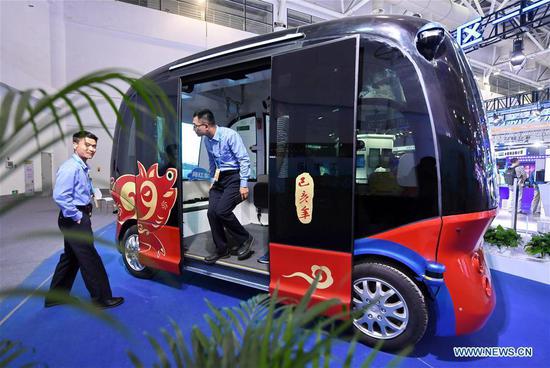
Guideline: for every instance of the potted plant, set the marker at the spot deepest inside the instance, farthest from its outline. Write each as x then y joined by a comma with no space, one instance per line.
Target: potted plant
502,238
539,246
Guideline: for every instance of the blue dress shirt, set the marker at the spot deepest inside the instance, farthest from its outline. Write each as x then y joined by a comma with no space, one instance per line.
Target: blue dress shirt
226,151
73,187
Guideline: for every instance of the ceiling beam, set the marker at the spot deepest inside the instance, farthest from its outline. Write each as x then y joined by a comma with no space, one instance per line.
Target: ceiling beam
539,78
479,10
503,4
509,75
467,4
492,9
356,7
531,37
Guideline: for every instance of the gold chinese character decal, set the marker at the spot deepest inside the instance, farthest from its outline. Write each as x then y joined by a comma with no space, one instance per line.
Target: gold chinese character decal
304,198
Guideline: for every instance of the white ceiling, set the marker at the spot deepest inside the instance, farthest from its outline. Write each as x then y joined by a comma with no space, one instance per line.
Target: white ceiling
452,13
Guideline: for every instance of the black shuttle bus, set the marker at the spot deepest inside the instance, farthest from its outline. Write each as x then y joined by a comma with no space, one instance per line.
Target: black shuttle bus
370,165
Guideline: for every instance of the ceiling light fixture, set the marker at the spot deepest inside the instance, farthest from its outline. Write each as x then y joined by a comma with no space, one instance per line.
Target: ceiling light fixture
517,57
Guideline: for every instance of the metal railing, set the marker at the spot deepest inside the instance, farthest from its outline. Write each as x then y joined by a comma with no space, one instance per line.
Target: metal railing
521,99
254,16
295,18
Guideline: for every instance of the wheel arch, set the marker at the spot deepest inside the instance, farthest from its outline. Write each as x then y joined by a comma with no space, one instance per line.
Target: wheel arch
123,228
418,269
407,269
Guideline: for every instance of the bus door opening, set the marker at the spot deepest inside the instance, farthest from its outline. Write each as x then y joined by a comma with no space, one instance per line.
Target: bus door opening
237,99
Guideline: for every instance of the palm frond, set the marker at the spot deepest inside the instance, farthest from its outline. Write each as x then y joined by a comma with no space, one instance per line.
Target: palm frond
10,351
259,332
27,116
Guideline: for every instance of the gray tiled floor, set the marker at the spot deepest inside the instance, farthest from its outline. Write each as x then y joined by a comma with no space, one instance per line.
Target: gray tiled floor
29,235
196,246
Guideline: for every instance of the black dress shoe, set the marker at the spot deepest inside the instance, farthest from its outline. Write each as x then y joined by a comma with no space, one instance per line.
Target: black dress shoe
235,250
109,303
244,250
53,303
211,259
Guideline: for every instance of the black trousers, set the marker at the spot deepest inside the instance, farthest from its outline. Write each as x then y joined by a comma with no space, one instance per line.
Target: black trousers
223,198
80,253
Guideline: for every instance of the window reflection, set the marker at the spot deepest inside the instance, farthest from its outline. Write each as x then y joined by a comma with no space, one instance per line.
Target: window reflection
396,176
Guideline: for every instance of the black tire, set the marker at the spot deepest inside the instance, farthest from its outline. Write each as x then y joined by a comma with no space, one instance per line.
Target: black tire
128,256
407,324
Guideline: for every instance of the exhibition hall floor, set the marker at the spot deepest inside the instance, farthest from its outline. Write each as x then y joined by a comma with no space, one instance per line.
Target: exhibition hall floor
66,337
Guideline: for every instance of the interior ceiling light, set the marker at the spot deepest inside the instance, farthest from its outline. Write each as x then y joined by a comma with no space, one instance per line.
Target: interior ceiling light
517,58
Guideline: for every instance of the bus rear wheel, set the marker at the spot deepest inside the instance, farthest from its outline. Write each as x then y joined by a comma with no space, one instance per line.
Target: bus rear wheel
130,255
395,309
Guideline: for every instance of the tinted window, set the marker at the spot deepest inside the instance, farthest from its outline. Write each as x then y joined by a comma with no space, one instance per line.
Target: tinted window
396,176
124,150
312,132
158,138
467,170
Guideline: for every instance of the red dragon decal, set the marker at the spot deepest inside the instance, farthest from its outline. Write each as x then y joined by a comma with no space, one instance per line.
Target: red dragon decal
153,205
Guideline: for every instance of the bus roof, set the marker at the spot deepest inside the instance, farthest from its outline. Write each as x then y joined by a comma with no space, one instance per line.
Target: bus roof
399,28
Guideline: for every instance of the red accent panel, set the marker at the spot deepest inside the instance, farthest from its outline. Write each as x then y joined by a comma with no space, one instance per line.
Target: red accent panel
467,276
293,269
150,198
420,236
169,238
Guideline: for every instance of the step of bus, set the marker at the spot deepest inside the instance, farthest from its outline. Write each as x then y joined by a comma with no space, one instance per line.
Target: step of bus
229,272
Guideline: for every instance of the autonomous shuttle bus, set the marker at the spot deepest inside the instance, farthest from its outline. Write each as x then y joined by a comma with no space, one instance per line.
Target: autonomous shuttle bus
370,165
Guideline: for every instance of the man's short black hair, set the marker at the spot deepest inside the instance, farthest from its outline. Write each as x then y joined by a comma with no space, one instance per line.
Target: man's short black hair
514,160
206,115
83,134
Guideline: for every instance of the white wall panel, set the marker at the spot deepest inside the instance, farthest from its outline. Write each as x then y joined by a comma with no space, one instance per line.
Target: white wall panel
54,42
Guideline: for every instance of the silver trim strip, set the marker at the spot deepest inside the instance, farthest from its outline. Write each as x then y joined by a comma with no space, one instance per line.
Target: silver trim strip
236,49
228,264
227,278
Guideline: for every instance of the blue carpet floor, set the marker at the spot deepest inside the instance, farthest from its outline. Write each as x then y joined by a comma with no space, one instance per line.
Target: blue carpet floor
65,337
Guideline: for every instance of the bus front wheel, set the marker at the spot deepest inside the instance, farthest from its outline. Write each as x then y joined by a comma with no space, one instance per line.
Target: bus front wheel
130,254
395,309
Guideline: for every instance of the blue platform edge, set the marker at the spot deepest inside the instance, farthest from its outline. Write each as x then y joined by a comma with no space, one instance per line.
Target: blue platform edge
445,322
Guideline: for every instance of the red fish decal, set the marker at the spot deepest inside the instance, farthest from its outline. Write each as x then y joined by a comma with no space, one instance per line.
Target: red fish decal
153,205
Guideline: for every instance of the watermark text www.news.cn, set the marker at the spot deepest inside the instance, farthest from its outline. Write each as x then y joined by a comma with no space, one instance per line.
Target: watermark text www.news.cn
493,352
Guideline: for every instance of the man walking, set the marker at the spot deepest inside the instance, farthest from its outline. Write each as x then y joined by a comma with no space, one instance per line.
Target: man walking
72,193
229,168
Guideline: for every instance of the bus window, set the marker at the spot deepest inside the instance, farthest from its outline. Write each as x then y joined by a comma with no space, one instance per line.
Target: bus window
246,127
396,177
467,170
190,150
124,162
236,102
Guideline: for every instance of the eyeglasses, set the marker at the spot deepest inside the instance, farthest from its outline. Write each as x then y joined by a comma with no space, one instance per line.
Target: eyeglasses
197,126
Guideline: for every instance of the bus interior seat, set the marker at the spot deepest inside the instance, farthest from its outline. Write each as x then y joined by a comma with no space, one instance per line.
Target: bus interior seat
195,190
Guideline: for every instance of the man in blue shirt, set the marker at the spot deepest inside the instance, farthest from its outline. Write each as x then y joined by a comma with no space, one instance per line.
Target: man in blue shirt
229,168
72,193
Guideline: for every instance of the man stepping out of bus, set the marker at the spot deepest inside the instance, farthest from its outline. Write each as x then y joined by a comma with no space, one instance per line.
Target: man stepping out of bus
229,169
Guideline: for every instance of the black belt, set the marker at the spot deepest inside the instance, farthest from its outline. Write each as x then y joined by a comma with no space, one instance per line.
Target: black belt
228,172
86,209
